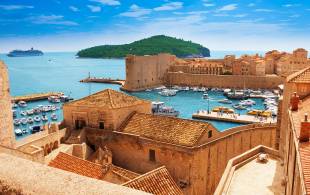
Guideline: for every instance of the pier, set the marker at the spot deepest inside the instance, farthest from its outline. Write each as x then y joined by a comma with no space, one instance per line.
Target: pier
35,97
103,80
235,118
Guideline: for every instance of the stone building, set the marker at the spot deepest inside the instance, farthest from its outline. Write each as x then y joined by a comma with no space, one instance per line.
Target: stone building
7,137
145,71
103,110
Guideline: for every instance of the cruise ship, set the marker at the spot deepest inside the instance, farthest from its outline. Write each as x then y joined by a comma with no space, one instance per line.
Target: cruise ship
25,53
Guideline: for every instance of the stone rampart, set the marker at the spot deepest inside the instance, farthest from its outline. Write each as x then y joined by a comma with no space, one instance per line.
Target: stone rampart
225,81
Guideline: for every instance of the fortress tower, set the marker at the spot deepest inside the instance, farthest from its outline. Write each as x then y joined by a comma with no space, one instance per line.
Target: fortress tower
7,137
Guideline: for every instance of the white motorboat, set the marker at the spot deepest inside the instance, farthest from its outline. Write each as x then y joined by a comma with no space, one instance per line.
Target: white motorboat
44,118
18,132
23,113
30,112
22,104
54,99
239,107
30,120
37,119
205,96
168,92
54,117
14,113
14,105
24,131
160,88
158,108
23,121
225,101
16,122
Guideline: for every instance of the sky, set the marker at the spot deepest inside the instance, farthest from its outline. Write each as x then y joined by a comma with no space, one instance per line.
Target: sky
71,25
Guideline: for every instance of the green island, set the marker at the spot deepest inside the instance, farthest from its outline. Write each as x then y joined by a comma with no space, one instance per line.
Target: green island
149,46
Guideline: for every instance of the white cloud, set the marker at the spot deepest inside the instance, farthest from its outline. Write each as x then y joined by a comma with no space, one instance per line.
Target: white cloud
74,9
15,7
51,19
291,5
208,4
169,6
295,16
94,8
251,4
108,2
240,15
228,7
263,10
136,11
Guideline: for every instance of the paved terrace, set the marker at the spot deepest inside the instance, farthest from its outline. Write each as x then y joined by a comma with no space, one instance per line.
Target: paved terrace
244,119
257,178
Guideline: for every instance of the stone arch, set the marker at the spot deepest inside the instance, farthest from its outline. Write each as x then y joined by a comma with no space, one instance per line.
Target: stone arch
47,148
55,145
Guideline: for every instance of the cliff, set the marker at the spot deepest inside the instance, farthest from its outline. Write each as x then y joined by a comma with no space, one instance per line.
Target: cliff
149,46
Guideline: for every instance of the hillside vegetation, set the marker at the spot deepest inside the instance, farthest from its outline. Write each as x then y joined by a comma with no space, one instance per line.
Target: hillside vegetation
149,46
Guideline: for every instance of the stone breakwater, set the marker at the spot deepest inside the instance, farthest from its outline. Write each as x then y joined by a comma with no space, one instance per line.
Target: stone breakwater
103,80
35,97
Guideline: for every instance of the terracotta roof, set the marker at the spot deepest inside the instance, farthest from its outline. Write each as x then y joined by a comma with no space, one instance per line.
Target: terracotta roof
158,182
76,165
302,76
109,99
304,147
166,129
124,172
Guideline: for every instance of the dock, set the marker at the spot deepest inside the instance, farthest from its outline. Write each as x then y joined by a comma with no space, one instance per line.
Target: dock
103,80
35,97
235,118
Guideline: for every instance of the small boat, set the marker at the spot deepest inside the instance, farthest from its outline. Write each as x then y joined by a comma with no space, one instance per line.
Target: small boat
35,129
223,109
168,92
37,110
30,120
53,99
53,108
148,90
23,121
44,118
37,119
18,132
23,113
14,105
22,104
226,91
14,113
160,88
225,101
54,117
24,131
205,96
158,108
239,107
264,113
30,112
16,122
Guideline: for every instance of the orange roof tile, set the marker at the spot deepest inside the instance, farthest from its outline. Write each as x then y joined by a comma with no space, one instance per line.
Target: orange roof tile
302,76
76,165
166,129
108,98
157,181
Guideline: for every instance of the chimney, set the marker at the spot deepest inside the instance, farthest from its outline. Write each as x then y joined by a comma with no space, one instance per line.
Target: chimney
294,102
304,130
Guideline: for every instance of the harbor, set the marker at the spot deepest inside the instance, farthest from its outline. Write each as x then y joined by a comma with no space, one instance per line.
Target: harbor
36,97
235,118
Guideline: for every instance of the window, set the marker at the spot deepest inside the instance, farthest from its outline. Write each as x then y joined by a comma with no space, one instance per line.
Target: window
209,134
152,155
101,125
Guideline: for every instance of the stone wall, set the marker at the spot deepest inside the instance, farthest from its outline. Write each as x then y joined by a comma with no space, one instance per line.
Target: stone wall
199,168
225,81
26,177
7,137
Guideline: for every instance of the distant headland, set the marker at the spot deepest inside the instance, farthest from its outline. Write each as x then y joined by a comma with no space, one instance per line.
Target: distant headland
149,46
25,53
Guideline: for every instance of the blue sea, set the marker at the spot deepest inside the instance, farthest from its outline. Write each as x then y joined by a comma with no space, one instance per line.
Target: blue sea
62,72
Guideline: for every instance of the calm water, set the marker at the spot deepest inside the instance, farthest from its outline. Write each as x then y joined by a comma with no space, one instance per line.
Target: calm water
62,72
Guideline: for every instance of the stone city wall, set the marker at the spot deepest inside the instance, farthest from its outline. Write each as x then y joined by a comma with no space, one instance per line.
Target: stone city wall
211,159
225,81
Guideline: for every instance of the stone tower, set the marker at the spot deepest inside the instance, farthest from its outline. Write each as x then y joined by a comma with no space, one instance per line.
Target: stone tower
7,137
